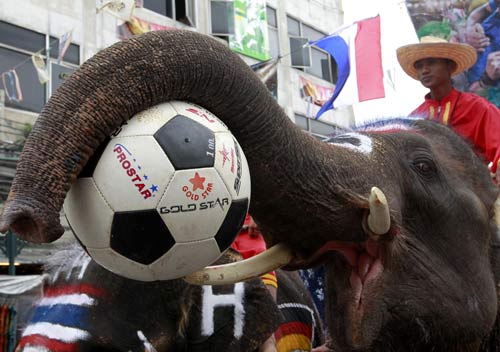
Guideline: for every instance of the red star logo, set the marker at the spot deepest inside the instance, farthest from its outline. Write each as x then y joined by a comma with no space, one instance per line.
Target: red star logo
197,181
225,154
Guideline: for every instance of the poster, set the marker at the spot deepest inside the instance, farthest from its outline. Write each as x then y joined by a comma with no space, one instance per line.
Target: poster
475,22
309,94
250,22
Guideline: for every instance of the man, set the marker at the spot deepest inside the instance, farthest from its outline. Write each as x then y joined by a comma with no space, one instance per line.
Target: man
433,62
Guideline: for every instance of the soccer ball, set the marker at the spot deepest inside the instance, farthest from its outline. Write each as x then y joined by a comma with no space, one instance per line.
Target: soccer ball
164,197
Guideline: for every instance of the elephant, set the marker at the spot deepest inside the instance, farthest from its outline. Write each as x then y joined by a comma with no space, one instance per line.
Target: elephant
403,216
85,307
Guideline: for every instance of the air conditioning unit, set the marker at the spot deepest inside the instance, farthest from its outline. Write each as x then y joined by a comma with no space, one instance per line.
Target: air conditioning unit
59,74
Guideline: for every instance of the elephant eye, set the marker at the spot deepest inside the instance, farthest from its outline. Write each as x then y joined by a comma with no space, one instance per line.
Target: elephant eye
424,166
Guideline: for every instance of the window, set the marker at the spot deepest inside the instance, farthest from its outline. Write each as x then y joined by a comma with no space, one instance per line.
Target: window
33,93
19,76
14,36
321,63
162,7
188,16
314,60
293,27
222,17
72,54
272,30
179,10
302,122
316,128
300,54
321,128
58,75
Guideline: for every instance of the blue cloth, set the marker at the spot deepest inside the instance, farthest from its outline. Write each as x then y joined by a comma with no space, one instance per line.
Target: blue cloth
314,280
491,26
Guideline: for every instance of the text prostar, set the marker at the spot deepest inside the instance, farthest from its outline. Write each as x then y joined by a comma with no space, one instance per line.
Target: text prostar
131,172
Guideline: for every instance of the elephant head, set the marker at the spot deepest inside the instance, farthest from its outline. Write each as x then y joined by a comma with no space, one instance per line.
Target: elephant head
402,216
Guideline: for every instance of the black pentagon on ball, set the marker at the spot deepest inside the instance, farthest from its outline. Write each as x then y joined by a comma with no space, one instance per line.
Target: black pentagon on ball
232,223
140,235
188,144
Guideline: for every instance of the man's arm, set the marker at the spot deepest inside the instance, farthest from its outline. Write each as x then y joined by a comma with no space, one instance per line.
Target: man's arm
474,32
488,137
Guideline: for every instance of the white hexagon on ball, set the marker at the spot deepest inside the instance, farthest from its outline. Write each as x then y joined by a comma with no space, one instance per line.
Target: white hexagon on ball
147,122
194,204
180,261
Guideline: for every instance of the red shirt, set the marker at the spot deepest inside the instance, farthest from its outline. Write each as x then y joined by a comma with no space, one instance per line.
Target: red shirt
471,116
249,245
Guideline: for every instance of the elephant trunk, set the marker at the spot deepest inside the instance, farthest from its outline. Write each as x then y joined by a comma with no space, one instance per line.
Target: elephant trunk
295,192
110,88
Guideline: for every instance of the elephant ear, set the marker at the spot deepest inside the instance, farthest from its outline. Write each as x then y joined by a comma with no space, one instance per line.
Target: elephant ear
492,341
239,317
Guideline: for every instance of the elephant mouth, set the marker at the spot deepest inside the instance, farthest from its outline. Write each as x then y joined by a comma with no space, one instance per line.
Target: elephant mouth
366,264
365,260
358,284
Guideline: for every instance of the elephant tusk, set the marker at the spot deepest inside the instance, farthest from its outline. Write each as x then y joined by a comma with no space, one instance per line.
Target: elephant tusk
226,274
379,220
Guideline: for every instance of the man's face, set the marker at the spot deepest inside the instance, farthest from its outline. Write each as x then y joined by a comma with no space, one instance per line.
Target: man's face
434,72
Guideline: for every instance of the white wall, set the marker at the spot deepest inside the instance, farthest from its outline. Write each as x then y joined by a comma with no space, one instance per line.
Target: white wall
325,15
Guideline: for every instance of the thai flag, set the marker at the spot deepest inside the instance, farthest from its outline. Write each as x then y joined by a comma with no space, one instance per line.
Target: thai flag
357,51
61,320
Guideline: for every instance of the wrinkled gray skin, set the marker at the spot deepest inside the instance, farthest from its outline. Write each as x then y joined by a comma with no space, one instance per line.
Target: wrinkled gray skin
429,284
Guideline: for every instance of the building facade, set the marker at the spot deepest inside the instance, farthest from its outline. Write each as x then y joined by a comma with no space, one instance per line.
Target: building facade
31,32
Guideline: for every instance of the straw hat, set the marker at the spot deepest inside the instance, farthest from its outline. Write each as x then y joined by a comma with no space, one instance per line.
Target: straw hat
463,55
